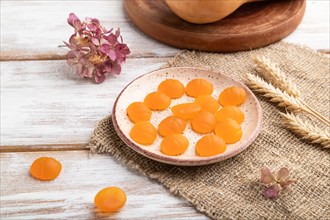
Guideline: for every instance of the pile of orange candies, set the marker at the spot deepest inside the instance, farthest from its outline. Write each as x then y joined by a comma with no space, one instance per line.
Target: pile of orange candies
220,126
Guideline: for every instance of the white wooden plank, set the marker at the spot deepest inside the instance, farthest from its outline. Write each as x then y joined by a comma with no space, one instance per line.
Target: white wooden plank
43,102
71,195
314,31
41,32
46,28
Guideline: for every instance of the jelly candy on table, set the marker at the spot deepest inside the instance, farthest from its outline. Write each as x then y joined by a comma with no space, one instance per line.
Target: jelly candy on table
45,168
110,199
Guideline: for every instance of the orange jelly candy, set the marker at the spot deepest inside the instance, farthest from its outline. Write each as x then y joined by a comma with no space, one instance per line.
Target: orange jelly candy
203,122
45,168
138,111
186,110
208,103
171,125
232,96
171,87
210,145
174,144
143,133
110,199
157,101
229,130
232,112
197,87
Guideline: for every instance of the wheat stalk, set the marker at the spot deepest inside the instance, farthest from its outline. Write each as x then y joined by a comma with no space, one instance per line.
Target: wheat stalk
306,130
314,112
271,72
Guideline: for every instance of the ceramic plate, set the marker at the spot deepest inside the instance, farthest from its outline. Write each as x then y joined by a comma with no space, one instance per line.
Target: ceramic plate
137,90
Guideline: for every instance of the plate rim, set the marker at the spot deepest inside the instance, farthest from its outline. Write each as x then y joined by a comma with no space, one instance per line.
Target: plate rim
187,162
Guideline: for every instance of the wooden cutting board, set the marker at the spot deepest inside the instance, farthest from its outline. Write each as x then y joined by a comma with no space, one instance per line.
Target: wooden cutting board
253,25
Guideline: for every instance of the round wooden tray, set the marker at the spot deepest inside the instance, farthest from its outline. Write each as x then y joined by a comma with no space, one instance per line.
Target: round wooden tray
253,25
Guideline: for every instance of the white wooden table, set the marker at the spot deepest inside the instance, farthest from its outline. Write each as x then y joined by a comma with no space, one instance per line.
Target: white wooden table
47,111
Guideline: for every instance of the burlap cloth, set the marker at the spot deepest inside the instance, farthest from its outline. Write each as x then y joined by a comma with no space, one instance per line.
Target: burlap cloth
231,189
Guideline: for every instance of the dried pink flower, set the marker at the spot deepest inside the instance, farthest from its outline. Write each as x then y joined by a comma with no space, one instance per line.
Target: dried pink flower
275,183
272,191
94,50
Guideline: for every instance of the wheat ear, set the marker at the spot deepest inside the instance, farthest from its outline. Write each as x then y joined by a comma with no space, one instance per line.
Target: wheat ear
306,130
271,72
276,95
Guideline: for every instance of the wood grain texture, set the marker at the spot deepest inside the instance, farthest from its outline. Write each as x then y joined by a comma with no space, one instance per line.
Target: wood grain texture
45,107
43,39
47,103
251,26
43,147
50,28
71,195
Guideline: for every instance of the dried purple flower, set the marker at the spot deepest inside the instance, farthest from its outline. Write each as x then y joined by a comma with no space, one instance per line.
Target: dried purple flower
275,183
94,50
272,191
